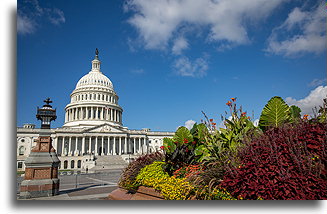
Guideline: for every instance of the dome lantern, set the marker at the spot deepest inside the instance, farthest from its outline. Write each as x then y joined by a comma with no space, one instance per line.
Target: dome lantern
96,62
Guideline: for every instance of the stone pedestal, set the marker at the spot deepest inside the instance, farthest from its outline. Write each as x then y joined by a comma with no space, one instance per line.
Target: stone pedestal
41,172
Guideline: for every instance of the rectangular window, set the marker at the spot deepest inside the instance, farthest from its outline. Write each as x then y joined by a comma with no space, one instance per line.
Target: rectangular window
20,165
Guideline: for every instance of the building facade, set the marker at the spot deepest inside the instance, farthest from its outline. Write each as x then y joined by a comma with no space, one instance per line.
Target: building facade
93,136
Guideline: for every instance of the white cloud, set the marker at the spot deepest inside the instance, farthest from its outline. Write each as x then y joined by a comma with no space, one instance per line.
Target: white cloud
311,36
184,67
317,82
56,16
179,45
314,99
159,22
25,25
30,14
189,124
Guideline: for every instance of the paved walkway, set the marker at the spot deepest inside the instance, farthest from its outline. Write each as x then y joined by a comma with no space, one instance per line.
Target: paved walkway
91,186
91,193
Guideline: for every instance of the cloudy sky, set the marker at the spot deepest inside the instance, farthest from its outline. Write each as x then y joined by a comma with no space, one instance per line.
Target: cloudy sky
169,60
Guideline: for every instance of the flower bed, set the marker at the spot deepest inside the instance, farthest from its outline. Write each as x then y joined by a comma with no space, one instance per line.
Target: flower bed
284,158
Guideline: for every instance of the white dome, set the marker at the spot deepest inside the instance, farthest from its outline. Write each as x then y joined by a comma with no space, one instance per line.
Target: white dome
94,101
94,79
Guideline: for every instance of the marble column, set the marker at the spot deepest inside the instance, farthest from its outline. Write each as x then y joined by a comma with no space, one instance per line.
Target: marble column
69,146
76,150
102,146
114,147
66,116
55,144
134,145
96,146
63,146
83,146
125,145
120,146
108,145
90,145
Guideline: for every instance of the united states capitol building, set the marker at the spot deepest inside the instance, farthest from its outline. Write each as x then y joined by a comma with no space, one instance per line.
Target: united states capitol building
93,136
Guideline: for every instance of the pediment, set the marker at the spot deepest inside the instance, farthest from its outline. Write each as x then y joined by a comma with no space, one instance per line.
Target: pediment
104,128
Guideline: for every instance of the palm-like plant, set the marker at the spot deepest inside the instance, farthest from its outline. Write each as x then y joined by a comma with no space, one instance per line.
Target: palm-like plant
275,113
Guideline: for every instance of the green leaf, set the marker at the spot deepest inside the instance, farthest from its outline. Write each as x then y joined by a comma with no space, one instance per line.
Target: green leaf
181,134
275,113
295,113
169,144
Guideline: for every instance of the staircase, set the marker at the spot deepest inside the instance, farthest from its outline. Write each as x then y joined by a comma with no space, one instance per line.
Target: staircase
109,162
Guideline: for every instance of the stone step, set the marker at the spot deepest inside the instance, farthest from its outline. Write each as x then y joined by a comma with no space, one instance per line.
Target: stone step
109,162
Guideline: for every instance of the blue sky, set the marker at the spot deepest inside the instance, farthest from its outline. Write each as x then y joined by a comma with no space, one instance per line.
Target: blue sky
170,60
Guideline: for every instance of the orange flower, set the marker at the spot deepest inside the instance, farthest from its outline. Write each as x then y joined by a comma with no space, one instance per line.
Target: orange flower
211,120
229,103
233,99
305,117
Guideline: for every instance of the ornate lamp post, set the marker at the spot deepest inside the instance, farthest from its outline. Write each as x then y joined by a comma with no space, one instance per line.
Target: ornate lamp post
41,171
46,114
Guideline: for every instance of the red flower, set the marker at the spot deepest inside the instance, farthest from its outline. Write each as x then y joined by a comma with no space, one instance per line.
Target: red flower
211,120
162,147
243,114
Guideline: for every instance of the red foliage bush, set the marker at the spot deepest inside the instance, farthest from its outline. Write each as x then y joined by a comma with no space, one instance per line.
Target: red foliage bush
286,163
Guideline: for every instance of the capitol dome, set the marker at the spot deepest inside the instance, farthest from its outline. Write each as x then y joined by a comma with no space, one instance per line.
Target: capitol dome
94,79
93,101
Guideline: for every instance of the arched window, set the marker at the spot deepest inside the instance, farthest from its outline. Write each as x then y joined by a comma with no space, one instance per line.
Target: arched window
65,164
21,150
72,164
79,163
